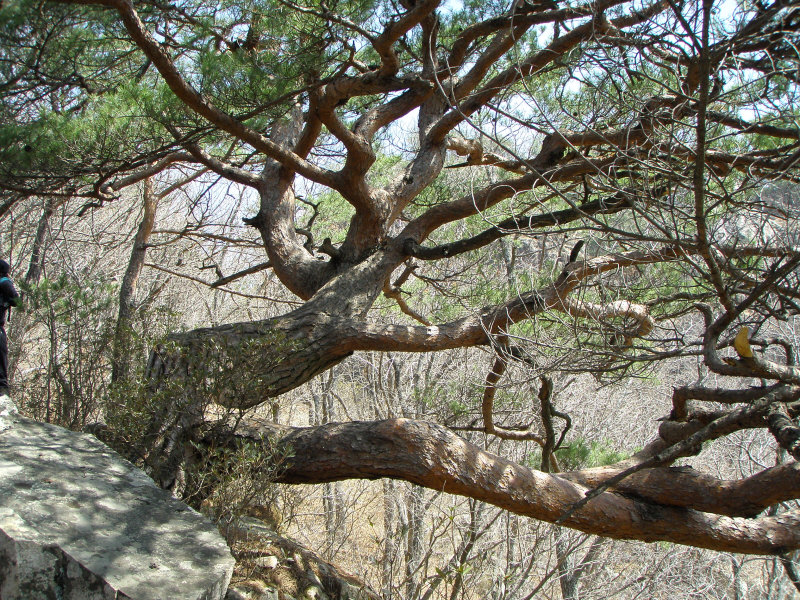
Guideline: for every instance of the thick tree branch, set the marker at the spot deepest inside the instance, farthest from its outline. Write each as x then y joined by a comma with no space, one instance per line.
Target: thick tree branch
432,456
474,329
683,486
396,29
619,309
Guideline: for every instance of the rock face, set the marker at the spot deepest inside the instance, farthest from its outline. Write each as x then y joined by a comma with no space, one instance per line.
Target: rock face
77,522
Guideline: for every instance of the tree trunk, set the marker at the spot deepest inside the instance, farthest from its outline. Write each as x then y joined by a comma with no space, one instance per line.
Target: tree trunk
122,359
739,585
280,353
237,365
568,583
18,327
415,510
389,544
36,263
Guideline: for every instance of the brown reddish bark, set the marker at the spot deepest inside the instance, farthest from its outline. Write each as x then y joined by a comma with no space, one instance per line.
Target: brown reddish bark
683,486
432,456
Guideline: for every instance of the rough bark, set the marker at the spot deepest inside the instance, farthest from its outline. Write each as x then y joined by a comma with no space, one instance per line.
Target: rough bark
309,340
683,486
432,456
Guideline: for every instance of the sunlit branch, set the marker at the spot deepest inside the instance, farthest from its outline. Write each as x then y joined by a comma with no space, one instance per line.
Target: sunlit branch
432,456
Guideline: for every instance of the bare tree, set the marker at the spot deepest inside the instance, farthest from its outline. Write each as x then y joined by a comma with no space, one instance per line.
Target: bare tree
121,362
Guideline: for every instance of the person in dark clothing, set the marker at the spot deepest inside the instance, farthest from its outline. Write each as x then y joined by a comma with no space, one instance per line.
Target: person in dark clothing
8,298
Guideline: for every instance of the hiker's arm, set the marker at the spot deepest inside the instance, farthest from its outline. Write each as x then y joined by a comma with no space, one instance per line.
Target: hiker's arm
8,291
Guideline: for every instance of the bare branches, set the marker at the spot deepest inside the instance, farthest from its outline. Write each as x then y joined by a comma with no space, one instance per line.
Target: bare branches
243,273
149,171
749,365
558,47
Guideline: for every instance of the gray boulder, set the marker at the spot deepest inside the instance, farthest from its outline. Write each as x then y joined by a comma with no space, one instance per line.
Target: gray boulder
77,522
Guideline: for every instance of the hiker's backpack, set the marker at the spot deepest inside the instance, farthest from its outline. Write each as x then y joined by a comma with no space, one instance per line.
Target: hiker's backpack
5,302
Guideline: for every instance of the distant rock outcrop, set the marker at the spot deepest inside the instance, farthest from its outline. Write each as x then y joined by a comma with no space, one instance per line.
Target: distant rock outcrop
77,522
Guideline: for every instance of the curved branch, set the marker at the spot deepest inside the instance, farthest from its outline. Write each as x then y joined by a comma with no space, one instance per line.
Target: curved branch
223,168
473,329
539,60
396,29
494,86
487,406
394,291
761,366
519,224
614,310
478,201
681,395
683,486
485,28
722,424
715,327
783,428
195,101
147,172
432,456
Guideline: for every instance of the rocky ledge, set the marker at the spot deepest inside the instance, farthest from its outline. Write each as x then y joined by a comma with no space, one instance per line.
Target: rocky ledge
78,522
